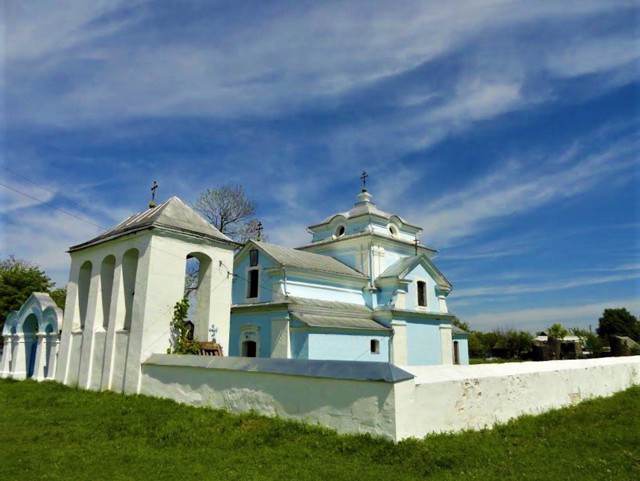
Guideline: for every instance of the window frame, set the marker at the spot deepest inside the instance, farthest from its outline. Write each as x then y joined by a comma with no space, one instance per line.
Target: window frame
421,291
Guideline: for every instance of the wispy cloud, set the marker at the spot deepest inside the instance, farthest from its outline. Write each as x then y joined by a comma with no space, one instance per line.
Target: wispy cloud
543,286
574,315
518,187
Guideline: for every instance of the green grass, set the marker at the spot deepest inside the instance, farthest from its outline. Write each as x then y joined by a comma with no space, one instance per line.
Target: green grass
48,431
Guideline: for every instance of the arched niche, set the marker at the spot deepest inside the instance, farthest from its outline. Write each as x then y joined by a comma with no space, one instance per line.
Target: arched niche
84,284
198,291
129,272
107,270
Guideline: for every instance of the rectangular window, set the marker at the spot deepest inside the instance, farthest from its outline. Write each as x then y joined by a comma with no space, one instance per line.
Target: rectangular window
375,346
252,288
422,293
253,258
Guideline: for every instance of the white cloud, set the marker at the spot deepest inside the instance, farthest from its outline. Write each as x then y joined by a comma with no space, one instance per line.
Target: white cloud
518,187
287,59
588,56
542,286
577,315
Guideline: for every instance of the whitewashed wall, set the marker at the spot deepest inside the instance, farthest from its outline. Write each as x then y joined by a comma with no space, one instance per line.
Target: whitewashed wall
452,398
439,398
347,405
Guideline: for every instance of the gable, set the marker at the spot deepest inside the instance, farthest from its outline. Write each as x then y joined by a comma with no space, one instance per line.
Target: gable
410,267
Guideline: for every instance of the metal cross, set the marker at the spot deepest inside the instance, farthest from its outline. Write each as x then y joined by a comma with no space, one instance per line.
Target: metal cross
363,177
153,191
259,230
416,242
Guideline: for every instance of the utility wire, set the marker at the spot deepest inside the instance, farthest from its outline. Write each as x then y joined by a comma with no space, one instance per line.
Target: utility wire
52,206
17,174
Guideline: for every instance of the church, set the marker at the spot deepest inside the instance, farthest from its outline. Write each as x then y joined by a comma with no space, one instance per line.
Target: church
363,289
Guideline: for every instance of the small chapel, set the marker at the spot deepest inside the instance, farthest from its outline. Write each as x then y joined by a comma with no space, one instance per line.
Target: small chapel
364,289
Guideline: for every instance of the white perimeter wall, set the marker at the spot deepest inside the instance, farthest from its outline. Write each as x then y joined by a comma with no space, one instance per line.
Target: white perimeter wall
440,398
349,406
452,398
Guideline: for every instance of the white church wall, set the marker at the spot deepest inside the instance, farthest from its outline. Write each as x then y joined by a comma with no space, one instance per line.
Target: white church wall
452,398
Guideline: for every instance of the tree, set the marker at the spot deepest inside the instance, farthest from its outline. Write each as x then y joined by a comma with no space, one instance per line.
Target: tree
557,331
462,325
18,280
589,340
230,210
618,322
59,296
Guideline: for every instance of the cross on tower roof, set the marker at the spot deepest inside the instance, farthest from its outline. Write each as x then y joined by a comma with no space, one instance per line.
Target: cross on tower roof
259,231
152,203
363,177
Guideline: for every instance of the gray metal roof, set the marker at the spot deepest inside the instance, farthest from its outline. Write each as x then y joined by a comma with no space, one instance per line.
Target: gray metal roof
289,257
353,370
173,215
403,266
333,314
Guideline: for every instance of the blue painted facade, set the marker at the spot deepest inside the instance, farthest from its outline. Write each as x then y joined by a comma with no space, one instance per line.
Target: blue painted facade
339,297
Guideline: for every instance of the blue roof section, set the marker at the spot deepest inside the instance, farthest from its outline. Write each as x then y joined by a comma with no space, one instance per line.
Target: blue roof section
348,370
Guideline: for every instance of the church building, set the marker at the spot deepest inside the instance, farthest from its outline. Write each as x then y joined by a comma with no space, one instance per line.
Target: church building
364,289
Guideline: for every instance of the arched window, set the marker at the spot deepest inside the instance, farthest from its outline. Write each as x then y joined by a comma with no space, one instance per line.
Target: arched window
375,346
253,275
129,271
106,287
456,352
84,282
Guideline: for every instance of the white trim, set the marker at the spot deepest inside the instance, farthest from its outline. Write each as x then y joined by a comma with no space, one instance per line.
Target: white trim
328,288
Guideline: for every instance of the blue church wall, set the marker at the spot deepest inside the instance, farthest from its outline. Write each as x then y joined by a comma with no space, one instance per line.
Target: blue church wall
328,290
419,273
259,320
299,344
347,345
392,256
423,343
385,295
240,280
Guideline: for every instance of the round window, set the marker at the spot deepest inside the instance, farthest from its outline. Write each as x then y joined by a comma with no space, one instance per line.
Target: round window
393,230
340,231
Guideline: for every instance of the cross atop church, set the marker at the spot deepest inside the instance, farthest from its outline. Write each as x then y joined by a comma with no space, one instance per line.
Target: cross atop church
363,177
259,231
152,203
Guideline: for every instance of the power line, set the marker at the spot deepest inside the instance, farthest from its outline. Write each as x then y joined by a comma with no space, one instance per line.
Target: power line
28,179
52,206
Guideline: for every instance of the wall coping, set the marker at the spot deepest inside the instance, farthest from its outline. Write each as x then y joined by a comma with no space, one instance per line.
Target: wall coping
348,370
436,374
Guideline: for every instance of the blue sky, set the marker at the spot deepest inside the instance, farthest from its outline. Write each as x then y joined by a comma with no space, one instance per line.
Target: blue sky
508,130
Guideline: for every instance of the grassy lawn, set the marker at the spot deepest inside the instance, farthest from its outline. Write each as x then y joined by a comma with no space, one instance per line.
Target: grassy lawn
48,431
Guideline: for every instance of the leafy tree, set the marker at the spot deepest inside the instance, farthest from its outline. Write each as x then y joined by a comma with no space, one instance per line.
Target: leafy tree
59,296
618,322
230,210
557,331
589,340
462,325
18,280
